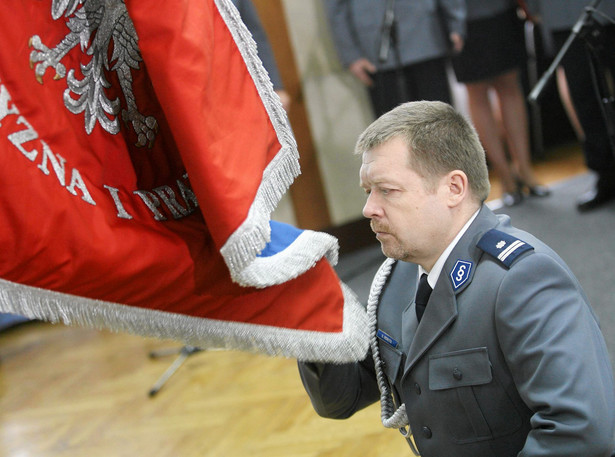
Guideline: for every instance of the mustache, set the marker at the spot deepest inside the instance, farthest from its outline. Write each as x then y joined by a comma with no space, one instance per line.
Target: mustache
376,227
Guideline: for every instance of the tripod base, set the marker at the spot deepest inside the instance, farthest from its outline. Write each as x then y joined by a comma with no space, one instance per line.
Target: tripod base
184,353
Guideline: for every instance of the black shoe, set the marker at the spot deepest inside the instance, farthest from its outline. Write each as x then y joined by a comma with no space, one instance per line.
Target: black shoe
595,198
538,191
512,198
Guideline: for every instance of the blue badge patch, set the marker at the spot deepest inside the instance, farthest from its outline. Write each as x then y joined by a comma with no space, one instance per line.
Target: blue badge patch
504,247
461,273
387,338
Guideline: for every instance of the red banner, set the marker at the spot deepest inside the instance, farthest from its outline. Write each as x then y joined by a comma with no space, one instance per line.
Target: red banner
142,151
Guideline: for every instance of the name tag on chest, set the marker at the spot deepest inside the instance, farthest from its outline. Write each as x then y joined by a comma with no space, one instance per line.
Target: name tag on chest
387,338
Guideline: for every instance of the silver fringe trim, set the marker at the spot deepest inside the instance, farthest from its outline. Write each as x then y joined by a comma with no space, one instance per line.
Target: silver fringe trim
242,247
391,418
349,345
300,256
239,252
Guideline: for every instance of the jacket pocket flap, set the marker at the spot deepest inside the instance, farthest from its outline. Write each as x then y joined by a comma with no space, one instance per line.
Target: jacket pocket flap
469,367
392,359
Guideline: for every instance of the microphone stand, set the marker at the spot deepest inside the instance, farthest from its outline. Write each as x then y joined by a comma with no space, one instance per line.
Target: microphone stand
546,77
532,73
388,41
587,28
386,33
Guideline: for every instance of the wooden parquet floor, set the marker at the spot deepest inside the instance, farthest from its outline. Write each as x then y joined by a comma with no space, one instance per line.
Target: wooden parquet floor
74,392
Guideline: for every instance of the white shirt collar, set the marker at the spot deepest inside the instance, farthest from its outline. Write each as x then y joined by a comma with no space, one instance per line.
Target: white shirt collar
434,274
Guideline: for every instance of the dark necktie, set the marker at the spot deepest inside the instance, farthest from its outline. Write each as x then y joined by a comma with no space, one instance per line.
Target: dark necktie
422,296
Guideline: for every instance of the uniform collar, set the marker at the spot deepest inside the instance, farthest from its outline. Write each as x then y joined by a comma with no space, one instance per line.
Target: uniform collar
437,319
434,274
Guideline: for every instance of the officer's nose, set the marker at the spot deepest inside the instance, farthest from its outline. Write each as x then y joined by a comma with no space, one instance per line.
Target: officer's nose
371,208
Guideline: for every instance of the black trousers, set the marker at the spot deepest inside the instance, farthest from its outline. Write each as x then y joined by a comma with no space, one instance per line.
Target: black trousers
420,81
598,151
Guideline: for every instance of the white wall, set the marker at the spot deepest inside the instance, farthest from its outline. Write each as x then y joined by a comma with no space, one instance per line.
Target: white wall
338,111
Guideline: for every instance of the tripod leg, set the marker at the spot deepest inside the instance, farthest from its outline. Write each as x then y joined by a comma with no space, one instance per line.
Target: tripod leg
184,353
163,353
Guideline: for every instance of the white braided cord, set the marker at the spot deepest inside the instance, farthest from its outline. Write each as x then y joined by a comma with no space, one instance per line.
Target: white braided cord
391,418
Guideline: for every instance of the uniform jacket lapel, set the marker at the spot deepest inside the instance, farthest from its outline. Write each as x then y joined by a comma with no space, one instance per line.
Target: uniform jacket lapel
441,309
396,299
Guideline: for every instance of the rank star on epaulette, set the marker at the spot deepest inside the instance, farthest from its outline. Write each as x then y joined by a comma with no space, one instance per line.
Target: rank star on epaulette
503,246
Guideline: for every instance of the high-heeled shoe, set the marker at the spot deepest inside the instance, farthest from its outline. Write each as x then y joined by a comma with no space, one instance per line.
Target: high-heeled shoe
537,190
512,198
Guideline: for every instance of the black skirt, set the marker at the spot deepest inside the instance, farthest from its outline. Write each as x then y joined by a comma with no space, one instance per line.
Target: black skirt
494,45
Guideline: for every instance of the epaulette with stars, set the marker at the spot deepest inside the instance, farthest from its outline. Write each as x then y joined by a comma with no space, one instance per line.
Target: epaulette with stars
504,247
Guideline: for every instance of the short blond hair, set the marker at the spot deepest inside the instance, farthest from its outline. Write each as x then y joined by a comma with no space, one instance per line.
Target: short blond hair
439,140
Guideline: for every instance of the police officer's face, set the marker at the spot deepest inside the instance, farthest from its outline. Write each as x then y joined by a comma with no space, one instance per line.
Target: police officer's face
410,218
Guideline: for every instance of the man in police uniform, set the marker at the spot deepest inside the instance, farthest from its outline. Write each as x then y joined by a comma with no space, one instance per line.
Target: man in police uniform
507,358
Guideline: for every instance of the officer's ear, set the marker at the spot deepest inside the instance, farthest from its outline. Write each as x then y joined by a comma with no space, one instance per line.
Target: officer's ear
457,188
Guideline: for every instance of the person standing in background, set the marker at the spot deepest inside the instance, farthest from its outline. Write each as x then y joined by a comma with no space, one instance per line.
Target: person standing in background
491,59
398,49
557,17
250,18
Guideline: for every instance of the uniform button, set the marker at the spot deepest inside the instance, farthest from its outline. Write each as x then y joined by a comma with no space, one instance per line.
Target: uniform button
417,388
457,374
426,432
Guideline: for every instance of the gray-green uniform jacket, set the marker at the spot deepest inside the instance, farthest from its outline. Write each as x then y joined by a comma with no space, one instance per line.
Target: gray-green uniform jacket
508,359
423,27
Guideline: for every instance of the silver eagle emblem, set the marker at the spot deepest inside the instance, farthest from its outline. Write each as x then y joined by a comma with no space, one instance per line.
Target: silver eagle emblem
96,25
